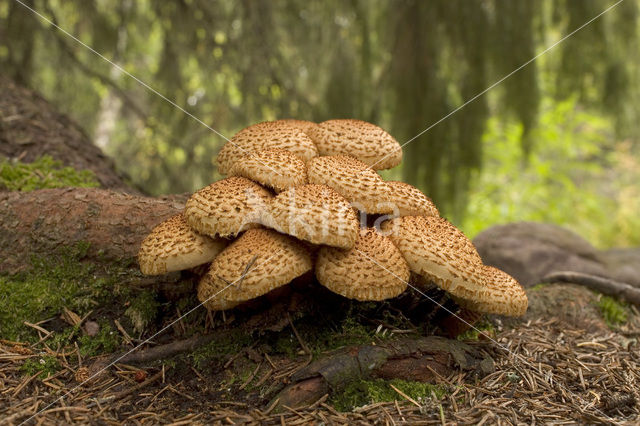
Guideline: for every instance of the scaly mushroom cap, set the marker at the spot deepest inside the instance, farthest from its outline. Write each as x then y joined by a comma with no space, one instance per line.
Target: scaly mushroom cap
354,180
440,252
227,207
275,168
410,201
502,295
174,246
269,134
365,141
269,259
314,213
373,269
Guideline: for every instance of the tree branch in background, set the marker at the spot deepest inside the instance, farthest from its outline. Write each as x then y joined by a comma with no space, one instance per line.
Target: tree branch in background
600,284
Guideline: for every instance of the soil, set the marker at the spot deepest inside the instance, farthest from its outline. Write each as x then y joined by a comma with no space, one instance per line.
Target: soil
549,367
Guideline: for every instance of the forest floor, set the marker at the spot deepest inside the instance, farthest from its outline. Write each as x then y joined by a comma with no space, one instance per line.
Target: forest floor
580,364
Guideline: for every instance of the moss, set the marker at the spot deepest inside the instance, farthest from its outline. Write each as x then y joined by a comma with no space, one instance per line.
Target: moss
474,333
106,341
538,286
364,392
220,349
53,282
613,311
47,364
45,172
143,310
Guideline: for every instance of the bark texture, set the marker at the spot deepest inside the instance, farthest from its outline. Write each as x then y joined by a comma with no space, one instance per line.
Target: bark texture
114,223
426,359
30,127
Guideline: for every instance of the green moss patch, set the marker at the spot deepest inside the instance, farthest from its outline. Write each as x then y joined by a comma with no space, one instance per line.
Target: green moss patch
54,282
365,392
43,173
474,333
613,311
47,364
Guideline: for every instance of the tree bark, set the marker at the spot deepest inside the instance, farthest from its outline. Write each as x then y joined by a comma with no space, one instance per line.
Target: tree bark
425,359
113,223
30,128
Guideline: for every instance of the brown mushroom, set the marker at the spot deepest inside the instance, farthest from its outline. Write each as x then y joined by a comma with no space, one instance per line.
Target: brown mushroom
364,141
373,269
259,261
276,168
354,180
227,207
267,135
409,200
174,246
314,213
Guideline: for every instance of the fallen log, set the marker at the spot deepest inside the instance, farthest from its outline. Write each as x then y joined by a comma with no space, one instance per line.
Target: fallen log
112,223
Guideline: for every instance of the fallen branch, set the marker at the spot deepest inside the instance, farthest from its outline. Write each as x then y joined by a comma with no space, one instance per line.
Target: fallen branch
167,350
425,359
600,284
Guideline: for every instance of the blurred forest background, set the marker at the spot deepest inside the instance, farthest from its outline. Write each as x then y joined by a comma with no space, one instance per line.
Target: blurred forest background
556,142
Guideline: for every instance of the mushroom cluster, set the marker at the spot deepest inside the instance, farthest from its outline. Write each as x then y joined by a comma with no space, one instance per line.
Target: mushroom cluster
300,197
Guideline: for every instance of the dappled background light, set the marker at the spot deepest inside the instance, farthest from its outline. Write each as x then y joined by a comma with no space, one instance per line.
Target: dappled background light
556,142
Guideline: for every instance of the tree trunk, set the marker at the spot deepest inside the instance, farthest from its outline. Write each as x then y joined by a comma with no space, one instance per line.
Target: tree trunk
30,128
113,223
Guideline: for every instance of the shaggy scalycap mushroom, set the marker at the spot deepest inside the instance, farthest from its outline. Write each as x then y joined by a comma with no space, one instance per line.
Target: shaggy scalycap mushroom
354,180
174,246
373,269
267,135
410,201
227,207
501,295
364,141
275,168
314,213
269,260
440,252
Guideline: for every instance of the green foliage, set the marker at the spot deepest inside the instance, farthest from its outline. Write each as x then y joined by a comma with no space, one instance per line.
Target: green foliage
402,65
364,392
613,311
47,364
567,179
44,172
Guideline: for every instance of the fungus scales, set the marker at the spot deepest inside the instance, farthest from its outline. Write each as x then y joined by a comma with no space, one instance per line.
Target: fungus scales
173,246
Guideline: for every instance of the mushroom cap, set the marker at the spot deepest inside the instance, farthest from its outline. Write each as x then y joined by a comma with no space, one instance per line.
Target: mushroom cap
440,252
502,295
276,168
269,134
373,269
410,201
269,259
227,207
173,246
314,213
354,180
365,141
